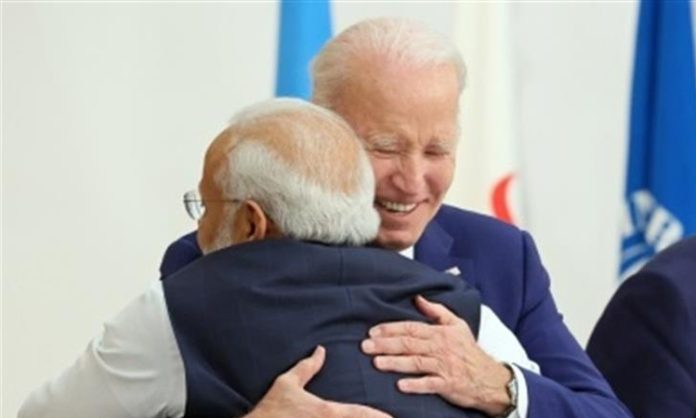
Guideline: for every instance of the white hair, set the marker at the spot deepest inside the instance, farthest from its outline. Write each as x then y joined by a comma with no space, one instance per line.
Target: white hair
394,40
296,176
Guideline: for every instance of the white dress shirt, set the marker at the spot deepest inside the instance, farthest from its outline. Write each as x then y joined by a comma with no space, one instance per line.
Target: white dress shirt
501,344
134,368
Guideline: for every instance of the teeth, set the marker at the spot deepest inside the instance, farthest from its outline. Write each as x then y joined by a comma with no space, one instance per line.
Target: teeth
397,207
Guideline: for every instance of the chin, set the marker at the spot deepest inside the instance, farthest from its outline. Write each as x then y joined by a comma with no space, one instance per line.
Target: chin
396,240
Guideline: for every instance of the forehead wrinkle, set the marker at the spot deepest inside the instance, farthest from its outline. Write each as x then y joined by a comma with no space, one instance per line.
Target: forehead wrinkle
364,97
386,74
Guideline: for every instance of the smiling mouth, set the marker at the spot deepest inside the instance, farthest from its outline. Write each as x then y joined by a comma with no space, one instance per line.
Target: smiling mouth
395,207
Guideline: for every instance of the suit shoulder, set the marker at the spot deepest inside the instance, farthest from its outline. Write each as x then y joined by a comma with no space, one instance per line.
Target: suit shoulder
675,264
460,222
668,278
179,253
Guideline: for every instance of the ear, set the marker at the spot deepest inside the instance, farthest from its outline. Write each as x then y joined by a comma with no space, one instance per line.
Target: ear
251,222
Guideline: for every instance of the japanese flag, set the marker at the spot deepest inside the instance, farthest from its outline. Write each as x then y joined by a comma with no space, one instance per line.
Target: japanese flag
487,176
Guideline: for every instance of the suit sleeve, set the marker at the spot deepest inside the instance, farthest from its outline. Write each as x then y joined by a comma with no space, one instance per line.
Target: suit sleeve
569,384
644,345
132,370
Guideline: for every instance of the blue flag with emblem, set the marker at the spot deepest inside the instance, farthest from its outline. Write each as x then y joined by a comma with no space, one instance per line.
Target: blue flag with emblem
304,27
660,206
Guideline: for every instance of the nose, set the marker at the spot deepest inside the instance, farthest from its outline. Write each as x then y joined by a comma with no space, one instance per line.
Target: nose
410,175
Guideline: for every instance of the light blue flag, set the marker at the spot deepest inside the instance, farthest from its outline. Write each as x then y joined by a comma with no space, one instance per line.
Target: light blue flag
661,182
304,27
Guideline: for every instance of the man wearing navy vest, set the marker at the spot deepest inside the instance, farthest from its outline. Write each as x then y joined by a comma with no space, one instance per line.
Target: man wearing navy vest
398,84
285,206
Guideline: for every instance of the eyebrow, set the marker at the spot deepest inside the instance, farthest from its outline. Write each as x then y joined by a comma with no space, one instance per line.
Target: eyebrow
382,140
391,140
446,144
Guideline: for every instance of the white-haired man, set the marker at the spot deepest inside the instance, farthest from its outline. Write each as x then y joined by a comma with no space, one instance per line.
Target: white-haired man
285,203
398,84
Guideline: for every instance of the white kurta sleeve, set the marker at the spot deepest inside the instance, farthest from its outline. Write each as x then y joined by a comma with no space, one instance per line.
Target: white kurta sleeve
499,342
132,370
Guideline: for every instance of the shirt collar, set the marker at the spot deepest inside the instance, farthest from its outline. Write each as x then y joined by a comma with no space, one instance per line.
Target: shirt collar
408,252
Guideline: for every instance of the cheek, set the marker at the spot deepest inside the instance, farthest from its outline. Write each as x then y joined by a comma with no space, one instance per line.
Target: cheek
206,227
203,234
381,168
440,177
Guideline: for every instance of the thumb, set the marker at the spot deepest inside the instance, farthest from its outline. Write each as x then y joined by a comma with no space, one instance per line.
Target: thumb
305,369
435,311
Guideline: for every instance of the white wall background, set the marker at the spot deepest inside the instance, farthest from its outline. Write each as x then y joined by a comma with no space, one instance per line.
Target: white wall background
107,109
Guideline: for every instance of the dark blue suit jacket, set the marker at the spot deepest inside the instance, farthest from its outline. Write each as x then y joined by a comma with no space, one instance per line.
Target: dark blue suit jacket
645,342
245,314
503,263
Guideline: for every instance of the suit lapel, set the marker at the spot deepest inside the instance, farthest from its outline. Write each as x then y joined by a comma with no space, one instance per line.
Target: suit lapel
434,249
434,246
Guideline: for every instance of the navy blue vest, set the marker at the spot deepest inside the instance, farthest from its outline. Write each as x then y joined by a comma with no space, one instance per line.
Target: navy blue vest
245,314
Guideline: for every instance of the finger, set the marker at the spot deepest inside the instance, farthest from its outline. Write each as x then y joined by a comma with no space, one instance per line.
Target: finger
396,345
405,328
435,311
407,364
302,372
422,385
356,411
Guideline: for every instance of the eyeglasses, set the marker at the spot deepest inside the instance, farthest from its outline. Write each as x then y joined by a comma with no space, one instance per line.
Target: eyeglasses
195,205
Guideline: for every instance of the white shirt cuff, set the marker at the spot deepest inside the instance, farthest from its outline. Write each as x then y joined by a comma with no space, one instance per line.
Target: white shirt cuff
522,395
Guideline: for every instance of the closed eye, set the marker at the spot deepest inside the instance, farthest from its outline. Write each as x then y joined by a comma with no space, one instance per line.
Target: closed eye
438,150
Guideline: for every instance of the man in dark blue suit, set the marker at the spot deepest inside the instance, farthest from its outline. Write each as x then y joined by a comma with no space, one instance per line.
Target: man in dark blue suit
397,84
645,341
